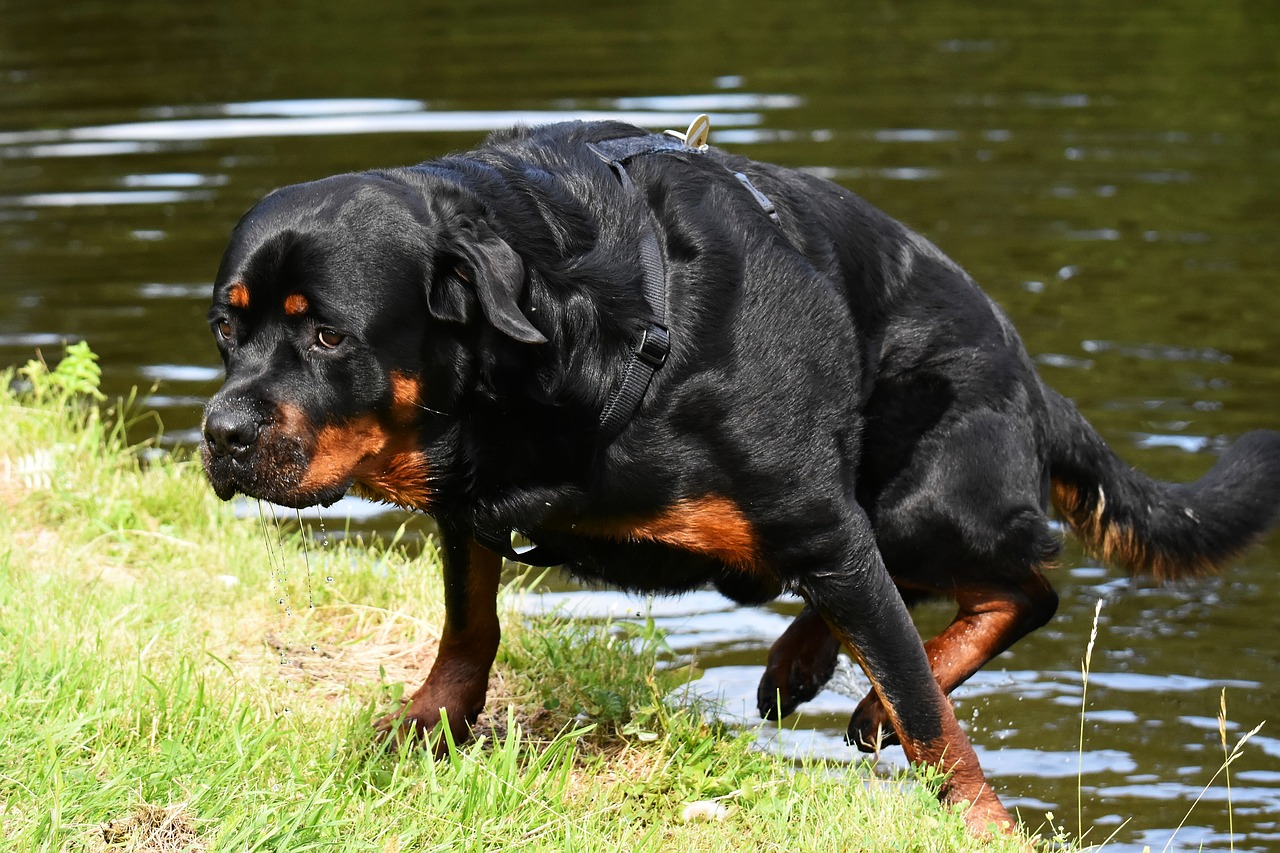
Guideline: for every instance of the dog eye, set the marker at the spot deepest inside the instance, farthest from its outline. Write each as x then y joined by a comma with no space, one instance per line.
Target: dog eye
329,339
223,329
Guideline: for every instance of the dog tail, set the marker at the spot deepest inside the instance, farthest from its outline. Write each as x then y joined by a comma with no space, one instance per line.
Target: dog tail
1165,530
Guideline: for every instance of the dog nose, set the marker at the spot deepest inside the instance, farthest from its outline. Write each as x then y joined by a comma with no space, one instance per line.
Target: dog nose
229,432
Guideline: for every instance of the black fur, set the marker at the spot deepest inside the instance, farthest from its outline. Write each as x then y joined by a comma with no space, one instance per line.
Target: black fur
843,411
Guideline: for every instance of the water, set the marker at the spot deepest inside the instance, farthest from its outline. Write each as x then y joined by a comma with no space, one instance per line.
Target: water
1109,172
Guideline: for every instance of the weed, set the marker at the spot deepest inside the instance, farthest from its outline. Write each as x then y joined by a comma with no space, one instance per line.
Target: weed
1229,757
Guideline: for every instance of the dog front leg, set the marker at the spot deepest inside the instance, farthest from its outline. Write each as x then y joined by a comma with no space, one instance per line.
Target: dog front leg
459,678
860,603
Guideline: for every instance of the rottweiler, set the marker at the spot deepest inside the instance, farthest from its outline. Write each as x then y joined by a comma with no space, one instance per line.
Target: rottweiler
668,366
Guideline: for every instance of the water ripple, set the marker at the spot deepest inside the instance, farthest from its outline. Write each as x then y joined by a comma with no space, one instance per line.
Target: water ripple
310,120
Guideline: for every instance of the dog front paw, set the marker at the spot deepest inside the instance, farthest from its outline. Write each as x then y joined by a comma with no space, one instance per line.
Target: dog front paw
870,728
435,726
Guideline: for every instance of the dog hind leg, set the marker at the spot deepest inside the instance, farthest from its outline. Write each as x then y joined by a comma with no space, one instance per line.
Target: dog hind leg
990,619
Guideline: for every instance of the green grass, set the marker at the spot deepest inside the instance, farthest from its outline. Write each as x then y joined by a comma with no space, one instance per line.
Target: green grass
175,678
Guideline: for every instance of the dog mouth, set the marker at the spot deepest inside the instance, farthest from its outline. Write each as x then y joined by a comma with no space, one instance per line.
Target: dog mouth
274,474
289,462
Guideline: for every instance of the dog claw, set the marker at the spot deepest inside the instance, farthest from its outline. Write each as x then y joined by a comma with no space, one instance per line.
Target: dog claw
804,679
772,699
775,701
869,726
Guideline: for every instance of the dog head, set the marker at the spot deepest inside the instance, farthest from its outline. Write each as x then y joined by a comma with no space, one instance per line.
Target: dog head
347,312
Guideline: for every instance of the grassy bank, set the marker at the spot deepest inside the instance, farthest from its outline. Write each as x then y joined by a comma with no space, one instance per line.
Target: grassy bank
175,678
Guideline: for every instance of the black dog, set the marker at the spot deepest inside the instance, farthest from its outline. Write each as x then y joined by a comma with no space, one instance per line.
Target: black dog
668,366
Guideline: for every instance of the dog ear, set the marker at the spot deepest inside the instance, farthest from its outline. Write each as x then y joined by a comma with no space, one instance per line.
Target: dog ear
479,265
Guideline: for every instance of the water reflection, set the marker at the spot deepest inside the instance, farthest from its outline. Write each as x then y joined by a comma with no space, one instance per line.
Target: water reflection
704,628
344,118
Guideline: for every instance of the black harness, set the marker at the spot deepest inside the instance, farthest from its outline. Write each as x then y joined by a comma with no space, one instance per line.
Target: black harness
655,341
654,346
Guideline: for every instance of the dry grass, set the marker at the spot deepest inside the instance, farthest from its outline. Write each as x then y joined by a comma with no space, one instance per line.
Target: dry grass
148,829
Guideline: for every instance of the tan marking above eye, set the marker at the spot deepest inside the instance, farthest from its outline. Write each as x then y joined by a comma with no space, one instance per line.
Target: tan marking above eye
295,304
238,296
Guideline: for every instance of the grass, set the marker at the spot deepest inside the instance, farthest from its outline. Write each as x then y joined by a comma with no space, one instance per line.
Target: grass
173,677
1229,756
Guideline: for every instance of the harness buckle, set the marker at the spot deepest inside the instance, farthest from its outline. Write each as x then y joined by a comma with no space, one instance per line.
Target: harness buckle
655,345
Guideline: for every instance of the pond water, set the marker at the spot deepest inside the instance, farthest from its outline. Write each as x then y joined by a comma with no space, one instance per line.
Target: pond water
1109,172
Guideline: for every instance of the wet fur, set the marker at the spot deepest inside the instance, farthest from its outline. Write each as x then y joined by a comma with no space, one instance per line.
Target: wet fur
844,413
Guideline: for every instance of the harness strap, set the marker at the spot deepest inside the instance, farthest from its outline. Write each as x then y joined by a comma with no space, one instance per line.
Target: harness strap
651,351
655,341
761,198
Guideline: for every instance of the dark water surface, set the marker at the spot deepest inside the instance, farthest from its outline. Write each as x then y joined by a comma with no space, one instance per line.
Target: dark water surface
1109,172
